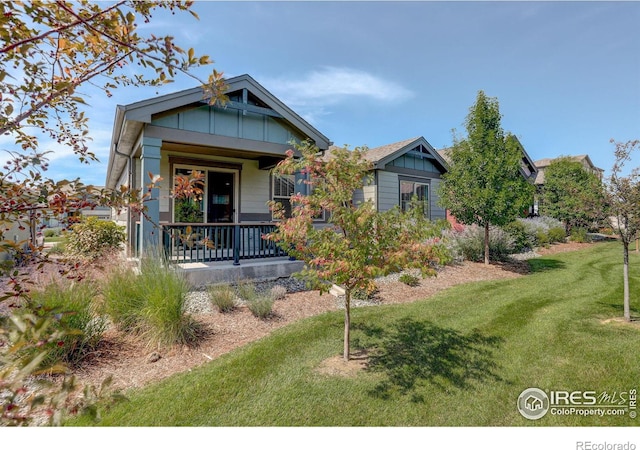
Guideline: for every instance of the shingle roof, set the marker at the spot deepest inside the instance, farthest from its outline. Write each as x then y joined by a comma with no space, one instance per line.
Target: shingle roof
379,156
445,153
541,164
379,153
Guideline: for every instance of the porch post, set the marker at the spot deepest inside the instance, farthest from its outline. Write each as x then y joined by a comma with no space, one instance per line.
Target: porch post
150,163
236,245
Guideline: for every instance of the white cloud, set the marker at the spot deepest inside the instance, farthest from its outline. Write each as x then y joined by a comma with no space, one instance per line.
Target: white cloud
312,94
331,85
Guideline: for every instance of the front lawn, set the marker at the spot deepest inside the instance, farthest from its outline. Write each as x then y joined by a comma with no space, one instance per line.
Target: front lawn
461,358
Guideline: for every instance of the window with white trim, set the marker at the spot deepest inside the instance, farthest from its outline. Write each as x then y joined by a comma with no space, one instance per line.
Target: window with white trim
283,188
416,192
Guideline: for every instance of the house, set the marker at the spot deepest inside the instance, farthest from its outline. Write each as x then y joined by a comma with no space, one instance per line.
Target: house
233,146
18,232
69,218
542,164
586,162
402,171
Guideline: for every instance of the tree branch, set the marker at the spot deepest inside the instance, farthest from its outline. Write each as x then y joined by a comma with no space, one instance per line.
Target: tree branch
80,20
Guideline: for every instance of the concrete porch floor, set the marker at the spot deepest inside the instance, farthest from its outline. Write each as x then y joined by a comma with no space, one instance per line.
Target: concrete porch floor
202,274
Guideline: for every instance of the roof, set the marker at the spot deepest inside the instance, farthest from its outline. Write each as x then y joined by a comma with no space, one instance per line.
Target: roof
382,155
131,118
543,163
445,153
379,153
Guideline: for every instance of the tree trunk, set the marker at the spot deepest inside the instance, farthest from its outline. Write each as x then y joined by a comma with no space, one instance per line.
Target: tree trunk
347,323
625,272
486,244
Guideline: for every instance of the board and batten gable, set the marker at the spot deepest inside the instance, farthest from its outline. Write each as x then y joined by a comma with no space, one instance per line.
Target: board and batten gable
230,122
411,160
260,125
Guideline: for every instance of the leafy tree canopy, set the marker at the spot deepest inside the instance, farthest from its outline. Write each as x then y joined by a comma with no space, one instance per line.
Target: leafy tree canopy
572,194
624,197
358,243
484,184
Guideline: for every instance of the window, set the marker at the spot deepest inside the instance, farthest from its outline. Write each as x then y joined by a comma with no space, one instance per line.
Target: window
283,188
418,192
188,210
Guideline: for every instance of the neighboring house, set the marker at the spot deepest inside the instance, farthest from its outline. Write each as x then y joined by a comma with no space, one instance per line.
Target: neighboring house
402,171
234,146
542,164
21,232
67,219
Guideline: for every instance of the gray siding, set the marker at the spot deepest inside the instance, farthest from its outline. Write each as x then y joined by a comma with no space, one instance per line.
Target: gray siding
231,123
437,212
388,190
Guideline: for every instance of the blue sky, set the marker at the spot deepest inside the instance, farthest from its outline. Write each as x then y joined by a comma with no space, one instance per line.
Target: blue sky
566,74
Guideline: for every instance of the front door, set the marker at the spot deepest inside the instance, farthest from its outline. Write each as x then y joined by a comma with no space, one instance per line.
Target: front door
221,208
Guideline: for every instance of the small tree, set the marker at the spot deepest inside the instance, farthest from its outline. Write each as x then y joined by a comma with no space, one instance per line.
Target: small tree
49,52
572,194
484,184
358,243
624,196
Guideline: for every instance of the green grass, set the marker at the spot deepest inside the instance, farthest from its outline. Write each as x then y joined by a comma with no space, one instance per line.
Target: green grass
54,239
460,358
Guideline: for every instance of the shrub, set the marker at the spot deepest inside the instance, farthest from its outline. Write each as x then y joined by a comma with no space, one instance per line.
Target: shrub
534,231
521,239
27,398
164,290
261,306
72,308
579,235
58,248
365,293
542,239
222,297
51,232
246,290
409,280
557,234
151,303
470,242
93,237
606,231
123,299
278,292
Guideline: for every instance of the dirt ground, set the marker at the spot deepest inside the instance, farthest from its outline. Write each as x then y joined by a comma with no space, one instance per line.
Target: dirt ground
133,365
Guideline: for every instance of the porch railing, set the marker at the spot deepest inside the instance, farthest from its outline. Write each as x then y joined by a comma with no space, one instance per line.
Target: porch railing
185,243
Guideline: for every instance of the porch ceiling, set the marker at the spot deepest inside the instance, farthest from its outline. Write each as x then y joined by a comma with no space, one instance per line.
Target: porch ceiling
218,151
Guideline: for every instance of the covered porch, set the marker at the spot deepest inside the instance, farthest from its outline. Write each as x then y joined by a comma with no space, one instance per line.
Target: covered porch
204,243
232,147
